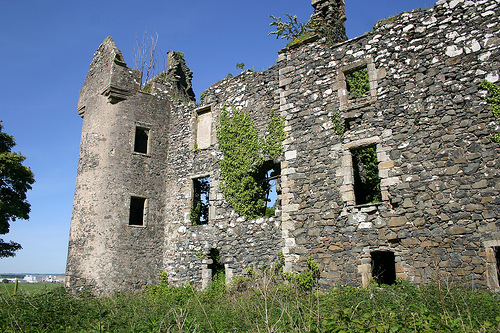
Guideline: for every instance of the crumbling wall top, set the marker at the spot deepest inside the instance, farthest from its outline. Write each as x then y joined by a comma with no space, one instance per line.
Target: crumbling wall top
328,19
109,76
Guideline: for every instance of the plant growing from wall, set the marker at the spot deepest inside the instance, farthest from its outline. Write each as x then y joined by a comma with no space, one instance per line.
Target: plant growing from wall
337,123
195,213
288,30
178,55
244,155
494,101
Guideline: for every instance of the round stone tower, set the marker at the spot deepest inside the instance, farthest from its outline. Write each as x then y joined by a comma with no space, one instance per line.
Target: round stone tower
116,229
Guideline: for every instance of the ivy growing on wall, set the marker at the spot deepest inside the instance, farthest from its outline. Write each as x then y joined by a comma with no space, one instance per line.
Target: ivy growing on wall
494,101
272,144
244,155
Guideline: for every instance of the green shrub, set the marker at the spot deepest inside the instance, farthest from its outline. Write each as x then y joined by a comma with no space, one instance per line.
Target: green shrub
358,83
289,30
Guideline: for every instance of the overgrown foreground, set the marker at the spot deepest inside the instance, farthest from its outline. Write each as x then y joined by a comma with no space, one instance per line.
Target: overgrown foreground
259,304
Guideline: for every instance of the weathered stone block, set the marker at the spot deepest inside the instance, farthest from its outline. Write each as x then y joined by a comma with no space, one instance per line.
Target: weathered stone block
397,221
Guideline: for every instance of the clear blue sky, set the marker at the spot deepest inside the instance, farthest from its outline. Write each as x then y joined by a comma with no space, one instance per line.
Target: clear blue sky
46,49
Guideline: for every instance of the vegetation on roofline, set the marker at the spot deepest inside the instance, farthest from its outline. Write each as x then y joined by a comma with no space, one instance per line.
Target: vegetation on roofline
385,21
292,30
308,34
288,30
297,32
178,55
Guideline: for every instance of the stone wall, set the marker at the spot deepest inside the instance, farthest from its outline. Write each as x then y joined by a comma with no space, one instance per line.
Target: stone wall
242,243
430,125
423,111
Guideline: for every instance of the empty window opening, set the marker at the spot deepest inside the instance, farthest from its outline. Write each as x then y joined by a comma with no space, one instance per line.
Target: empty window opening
136,211
201,201
383,267
268,177
357,83
141,140
366,178
352,123
215,265
496,251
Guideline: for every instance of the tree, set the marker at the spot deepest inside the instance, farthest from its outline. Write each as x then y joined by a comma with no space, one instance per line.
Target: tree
15,180
146,57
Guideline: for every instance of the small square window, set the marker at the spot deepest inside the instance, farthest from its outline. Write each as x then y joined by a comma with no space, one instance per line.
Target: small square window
141,140
357,84
137,206
383,267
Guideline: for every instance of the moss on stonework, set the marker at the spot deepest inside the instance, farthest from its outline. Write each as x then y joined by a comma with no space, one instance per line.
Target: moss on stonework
301,38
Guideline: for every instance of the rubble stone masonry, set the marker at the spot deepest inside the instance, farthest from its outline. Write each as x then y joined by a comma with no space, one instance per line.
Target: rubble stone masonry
424,113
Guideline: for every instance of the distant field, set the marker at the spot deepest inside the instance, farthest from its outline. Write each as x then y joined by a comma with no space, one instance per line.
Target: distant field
28,288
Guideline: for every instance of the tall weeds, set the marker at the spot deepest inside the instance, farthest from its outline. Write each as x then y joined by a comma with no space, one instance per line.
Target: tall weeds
261,303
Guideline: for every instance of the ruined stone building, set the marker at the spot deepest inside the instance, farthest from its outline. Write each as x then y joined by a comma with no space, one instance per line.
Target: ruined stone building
150,153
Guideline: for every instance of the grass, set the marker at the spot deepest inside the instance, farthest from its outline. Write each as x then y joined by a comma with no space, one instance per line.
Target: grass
28,288
262,303
301,38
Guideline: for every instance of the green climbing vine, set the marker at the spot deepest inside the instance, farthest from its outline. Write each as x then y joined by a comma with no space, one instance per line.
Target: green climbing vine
494,101
272,144
244,155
